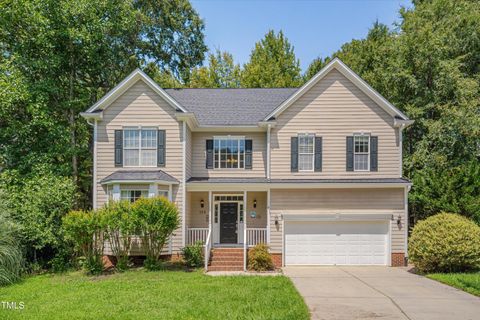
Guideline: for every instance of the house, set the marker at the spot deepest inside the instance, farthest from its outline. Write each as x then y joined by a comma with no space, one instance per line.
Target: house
315,172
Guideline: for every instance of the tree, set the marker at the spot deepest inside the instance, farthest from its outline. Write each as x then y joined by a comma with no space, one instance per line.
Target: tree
272,64
315,66
221,72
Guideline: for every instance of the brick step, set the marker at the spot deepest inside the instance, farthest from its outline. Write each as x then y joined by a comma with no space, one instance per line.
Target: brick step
230,255
230,250
223,259
225,268
227,263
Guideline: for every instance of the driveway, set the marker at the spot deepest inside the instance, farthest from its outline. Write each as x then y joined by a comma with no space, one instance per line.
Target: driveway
379,293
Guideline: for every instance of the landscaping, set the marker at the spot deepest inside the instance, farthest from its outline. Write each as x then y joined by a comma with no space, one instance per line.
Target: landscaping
140,294
469,282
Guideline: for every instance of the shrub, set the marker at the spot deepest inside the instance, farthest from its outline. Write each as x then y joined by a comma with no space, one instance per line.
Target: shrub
445,242
155,220
11,255
192,254
259,259
119,228
85,230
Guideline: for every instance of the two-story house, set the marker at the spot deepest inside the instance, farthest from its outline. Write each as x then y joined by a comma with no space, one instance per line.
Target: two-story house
315,172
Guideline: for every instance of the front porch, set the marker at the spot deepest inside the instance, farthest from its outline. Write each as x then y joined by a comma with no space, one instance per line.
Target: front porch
227,220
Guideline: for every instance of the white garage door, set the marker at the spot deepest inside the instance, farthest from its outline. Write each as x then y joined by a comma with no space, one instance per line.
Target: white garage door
336,243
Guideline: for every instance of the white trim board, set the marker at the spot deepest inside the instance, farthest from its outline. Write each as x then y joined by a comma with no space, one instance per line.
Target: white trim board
350,75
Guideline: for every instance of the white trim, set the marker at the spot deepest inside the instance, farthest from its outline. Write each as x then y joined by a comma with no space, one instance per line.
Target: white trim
95,143
116,196
283,242
245,245
140,182
349,74
170,193
184,182
308,135
227,138
361,153
123,86
405,200
140,129
152,190
389,240
338,217
269,129
269,219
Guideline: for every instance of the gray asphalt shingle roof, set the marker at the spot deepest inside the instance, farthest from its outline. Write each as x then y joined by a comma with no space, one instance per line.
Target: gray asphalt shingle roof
230,106
143,175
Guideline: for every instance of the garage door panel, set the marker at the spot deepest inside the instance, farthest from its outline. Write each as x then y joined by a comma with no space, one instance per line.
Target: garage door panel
340,243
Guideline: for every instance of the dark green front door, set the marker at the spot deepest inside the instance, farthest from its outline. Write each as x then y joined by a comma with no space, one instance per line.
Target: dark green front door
228,222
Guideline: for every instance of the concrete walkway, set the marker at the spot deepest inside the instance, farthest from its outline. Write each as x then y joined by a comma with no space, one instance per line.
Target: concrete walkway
379,293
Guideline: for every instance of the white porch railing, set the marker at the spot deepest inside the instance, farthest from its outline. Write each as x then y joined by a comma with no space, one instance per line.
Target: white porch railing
196,234
208,248
256,236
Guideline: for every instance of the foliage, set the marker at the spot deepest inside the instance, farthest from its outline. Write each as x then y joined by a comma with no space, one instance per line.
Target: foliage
445,243
259,259
469,282
119,229
272,64
164,295
11,255
37,204
155,220
429,68
85,230
221,72
192,254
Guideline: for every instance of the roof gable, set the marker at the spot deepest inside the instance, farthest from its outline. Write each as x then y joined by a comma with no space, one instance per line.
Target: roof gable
350,75
127,83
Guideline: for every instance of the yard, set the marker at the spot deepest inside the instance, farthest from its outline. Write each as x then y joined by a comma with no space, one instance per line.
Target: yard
469,282
139,294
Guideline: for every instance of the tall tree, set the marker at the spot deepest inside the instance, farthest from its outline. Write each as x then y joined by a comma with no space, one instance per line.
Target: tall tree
69,53
272,64
221,72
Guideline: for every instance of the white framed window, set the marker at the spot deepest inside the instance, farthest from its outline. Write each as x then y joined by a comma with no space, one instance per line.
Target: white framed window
229,152
140,147
361,152
133,195
162,193
306,152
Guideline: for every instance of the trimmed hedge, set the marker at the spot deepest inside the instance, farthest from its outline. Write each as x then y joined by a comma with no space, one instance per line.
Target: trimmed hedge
445,242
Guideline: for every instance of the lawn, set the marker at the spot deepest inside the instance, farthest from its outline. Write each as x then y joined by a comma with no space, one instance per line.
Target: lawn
139,294
469,282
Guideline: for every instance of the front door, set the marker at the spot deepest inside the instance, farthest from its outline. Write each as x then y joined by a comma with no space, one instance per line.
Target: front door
228,222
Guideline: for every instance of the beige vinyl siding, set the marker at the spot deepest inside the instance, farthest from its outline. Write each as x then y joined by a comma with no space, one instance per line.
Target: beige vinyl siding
328,201
140,106
333,109
199,156
197,217
260,221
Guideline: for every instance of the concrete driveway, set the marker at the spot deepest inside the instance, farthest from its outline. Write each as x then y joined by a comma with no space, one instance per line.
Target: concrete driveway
379,293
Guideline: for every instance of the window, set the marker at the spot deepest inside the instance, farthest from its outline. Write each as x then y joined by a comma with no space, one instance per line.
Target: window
133,195
140,147
163,193
361,152
229,153
305,152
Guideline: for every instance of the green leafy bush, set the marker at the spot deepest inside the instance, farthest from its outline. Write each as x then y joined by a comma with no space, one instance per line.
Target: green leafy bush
119,228
259,259
445,242
155,220
192,254
85,229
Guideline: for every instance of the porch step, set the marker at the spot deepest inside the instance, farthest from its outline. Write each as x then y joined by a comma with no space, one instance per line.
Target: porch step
226,259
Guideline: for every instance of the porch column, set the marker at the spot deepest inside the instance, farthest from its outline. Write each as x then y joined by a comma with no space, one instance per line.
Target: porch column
170,193
245,244
268,216
210,205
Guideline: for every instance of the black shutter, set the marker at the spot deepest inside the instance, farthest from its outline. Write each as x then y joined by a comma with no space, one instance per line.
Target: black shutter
248,154
209,162
373,153
318,154
118,148
161,148
350,153
294,154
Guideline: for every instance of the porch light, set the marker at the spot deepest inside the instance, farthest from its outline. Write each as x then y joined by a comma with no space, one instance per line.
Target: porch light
254,203
399,220
202,203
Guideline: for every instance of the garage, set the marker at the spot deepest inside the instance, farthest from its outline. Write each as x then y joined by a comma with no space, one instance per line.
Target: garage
341,241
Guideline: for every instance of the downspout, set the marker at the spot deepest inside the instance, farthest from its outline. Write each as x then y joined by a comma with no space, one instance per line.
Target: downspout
268,151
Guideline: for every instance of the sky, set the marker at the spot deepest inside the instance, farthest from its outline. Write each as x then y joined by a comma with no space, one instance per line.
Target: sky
314,27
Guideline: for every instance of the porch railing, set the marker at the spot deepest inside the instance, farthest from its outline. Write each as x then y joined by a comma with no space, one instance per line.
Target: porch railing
256,236
208,248
197,234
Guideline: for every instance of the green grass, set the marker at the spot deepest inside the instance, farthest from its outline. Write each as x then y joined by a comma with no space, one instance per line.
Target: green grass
139,294
469,282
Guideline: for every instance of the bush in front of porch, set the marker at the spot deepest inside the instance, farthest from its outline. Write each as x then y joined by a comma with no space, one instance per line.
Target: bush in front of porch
259,259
